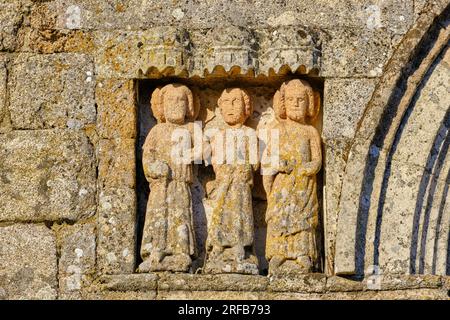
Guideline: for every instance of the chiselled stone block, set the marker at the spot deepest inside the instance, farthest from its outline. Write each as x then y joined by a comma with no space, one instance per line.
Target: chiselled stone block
130,54
300,283
113,295
76,265
11,15
52,91
116,230
46,175
55,41
344,103
336,152
220,282
116,166
3,79
130,282
28,263
117,113
355,52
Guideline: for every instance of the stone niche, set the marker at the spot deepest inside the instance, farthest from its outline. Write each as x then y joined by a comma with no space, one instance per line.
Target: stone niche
257,61
206,92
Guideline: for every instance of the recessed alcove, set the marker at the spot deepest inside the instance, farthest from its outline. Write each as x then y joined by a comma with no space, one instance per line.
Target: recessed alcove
208,89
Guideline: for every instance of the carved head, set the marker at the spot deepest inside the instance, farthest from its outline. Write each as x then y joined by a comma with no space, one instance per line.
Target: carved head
298,101
235,106
277,107
173,103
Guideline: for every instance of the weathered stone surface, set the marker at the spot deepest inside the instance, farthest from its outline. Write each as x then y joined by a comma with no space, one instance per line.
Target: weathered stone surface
129,295
207,295
419,6
344,103
168,51
314,282
226,286
335,160
340,284
168,242
130,282
28,267
117,114
51,91
407,282
46,175
355,52
350,199
76,245
393,15
230,241
116,166
3,80
426,117
55,41
400,204
50,176
116,231
220,282
129,54
11,15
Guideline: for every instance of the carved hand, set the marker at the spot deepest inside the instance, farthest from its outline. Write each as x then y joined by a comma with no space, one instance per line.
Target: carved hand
309,169
158,169
286,166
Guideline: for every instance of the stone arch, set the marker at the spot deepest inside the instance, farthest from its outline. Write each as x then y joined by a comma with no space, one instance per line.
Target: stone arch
393,208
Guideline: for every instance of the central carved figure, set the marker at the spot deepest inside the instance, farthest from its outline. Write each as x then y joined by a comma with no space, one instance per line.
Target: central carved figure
231,231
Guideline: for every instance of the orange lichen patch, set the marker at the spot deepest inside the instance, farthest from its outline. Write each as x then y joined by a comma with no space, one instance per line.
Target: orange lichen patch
56,41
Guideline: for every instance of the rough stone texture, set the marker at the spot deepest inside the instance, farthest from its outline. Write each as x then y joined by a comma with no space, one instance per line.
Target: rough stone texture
129,54
355,53
305,283
52,51
402,214
52,91
116,230
129,295
207,295
344,102
117,114
221,282
131,282
76,265
116,167
3,80
55,41
28,265
167,51
393,15
11,17
244,287
46,175
335,161
340,284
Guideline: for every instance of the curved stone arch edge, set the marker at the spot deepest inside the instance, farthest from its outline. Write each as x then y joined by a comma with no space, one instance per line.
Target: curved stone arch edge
364,145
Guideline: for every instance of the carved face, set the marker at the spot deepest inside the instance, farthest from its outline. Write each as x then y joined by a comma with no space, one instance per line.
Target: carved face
175,105
296,102
232,107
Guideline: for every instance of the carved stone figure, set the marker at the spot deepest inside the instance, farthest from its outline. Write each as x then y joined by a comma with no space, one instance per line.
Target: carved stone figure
231,230
292,208
168,242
